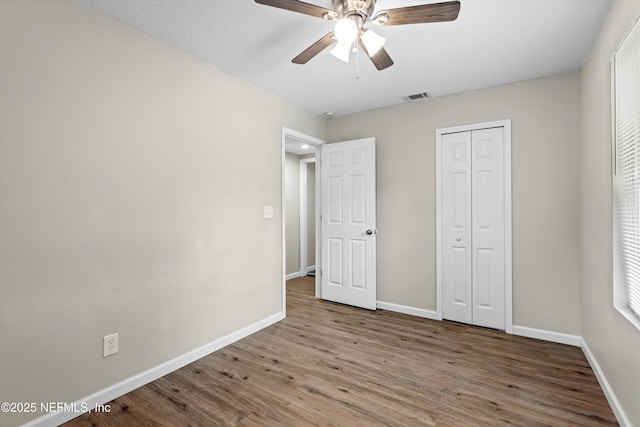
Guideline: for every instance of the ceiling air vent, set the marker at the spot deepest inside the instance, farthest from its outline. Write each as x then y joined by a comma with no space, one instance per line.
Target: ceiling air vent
409,98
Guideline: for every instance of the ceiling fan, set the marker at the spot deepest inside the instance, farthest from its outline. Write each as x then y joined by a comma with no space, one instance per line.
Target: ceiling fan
351,17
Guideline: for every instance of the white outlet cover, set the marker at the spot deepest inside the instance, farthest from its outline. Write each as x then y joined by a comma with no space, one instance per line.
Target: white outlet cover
110,345
268,211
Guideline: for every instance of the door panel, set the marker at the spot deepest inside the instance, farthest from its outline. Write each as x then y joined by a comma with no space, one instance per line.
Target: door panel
483,199
488,190
460,276
359,264
358,199
335,200
334,259
482,280
460,193
348,211
456,226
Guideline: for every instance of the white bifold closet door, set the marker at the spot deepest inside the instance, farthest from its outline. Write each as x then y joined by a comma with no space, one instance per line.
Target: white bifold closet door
473,227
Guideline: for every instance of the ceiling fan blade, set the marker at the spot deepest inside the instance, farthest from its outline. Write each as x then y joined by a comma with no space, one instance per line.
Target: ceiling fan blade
381,59
435,12
315,49
298,6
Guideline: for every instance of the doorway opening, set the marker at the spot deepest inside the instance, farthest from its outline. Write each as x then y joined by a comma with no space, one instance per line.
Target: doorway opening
299,150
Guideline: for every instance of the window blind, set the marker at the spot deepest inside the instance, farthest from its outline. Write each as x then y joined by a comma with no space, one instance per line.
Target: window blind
625,72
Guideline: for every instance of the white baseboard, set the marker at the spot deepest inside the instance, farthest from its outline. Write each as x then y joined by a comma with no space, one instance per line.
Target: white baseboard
292,275
299,273
105,395
606,388
404,309
541,334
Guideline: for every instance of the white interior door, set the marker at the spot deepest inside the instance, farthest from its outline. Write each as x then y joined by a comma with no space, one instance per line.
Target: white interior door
472,199
348,222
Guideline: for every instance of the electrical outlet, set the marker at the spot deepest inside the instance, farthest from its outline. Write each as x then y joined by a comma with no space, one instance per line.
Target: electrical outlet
268,212
110,345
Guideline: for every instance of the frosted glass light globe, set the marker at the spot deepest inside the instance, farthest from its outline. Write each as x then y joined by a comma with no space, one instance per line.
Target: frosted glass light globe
346,31
372,42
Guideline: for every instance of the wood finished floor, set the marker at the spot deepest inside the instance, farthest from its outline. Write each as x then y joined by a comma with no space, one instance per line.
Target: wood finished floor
330,364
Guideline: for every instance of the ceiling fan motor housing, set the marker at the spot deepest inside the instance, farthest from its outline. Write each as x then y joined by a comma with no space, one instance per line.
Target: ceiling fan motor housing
364,8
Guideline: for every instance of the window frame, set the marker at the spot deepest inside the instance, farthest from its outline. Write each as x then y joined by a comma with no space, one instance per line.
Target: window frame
622,288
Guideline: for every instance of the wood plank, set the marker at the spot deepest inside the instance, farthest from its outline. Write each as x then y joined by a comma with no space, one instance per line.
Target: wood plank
330,364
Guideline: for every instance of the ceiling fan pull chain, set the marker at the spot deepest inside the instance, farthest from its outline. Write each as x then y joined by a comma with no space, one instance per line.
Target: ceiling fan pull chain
357,62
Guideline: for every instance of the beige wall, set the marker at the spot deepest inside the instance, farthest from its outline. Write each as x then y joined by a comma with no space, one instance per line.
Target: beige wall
129,202
612,339
292,209
545,137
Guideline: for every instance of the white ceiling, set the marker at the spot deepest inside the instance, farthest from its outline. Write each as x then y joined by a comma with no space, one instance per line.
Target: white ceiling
492,42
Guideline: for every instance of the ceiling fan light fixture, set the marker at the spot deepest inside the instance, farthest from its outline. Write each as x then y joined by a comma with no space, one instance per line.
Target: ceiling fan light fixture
346,31
341,51
372,42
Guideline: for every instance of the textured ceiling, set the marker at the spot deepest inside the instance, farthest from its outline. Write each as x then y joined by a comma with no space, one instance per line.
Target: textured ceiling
492,42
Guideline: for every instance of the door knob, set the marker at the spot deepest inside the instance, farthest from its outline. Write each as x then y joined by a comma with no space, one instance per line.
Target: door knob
369,232
458,238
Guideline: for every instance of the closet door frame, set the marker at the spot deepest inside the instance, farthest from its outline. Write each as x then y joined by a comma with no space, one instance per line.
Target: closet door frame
508,303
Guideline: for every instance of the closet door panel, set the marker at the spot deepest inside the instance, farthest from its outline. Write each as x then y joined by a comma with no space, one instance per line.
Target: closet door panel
456,226
488,222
